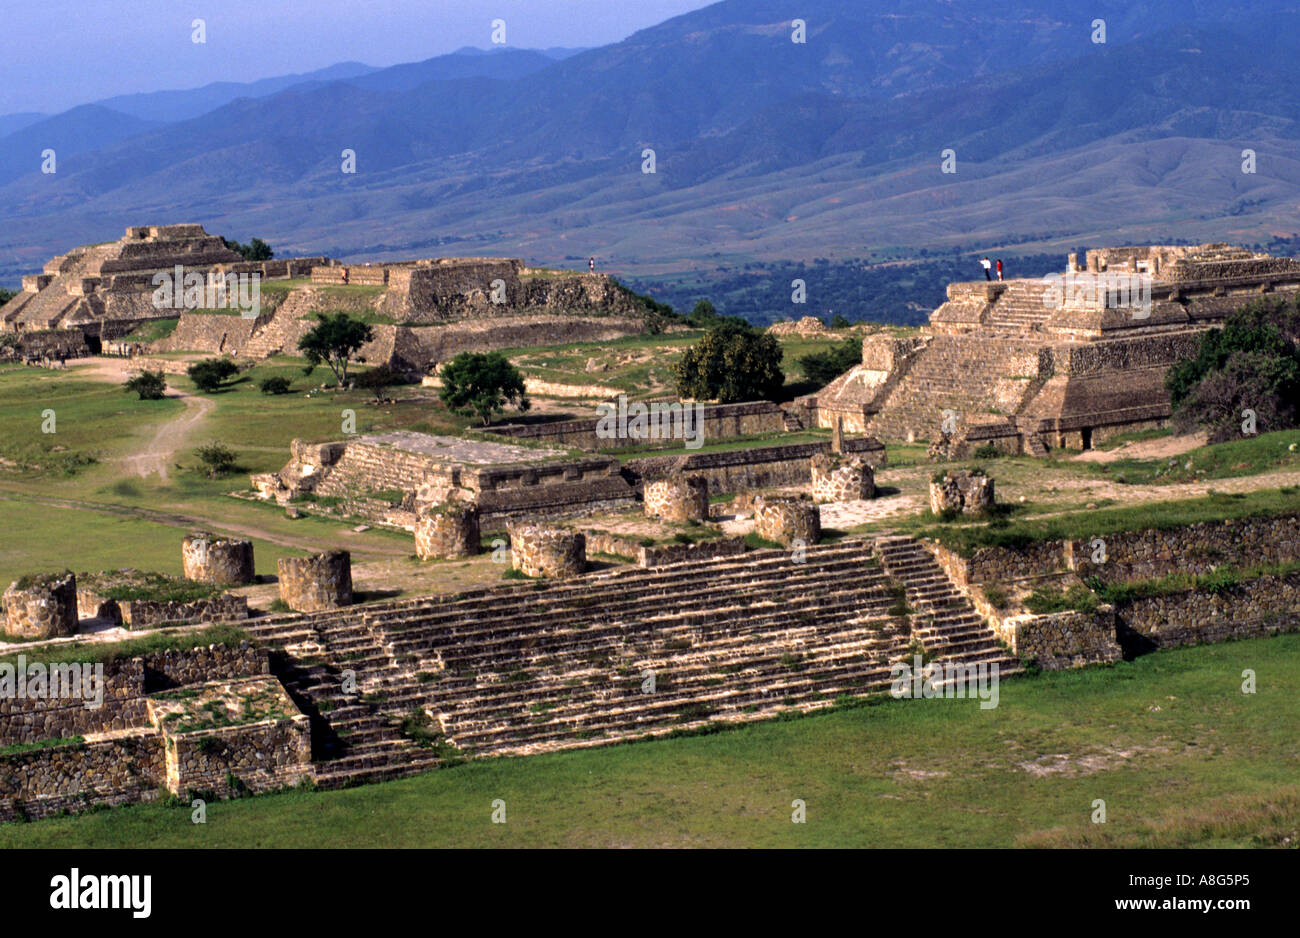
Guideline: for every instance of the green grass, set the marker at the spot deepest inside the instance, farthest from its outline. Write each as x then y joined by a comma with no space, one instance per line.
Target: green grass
105,652
1216,506
1180,755
1268,452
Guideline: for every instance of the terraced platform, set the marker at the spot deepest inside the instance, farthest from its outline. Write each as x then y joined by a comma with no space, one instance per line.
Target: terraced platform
535,667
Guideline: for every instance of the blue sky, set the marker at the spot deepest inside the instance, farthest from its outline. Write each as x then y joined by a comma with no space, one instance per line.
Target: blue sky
60,53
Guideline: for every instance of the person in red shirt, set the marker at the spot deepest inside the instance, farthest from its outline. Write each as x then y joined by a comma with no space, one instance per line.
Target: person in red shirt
999,268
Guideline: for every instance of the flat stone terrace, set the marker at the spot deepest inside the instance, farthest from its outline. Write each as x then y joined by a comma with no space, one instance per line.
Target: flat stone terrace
460,451
550,665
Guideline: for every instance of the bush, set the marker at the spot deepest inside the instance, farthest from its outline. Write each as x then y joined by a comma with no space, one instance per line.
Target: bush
987,451
149,385
209,374
1046,600
481,384
217,458
731,363
275,385
824,367
377,380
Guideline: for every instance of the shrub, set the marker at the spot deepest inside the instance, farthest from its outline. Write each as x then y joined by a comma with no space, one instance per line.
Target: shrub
209,374
217,458
732,363
480,385
274,385
149,385
824,367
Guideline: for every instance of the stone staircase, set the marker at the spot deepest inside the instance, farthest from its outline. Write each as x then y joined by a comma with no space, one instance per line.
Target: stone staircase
627,654
964,374
1019,310
944,620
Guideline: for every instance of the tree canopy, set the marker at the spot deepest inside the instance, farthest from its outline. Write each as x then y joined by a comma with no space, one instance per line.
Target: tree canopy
333,341
209,374
480,385
255,250
733,362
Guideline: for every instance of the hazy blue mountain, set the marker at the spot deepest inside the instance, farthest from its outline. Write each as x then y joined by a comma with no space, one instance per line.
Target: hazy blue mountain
765,148
70,133
9,123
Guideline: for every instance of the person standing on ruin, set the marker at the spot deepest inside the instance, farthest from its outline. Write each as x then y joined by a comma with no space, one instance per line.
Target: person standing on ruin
987,265
999,268
591,264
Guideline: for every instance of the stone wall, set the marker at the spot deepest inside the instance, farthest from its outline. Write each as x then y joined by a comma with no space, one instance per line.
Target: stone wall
317,582
118,770
966,492
139,614
716,422
539,551
207,558
599,542
1262,606
1142,555
760,467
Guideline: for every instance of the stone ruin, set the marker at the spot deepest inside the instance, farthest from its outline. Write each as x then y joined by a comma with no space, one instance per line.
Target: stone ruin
787,520
966,492
677,498
42,606
841,479
317,582
446,532
1063,361
220,561
547,551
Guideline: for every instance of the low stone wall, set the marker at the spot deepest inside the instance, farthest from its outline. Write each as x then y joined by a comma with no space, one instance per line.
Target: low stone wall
760,467
545,551
317,582
1062,639
140,614
207,558
714,422
964,492
1262,606
112,771
1141,555
659,555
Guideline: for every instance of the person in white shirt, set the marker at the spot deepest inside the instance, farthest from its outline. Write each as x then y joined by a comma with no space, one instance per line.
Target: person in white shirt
987,265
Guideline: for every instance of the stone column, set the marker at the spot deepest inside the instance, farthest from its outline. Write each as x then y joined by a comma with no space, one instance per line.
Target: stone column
539,550
316,583
786,520
207,558
446,531
677,498
42,606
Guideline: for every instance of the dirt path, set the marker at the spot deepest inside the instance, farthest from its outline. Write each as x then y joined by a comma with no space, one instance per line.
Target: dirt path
159,452
1159,448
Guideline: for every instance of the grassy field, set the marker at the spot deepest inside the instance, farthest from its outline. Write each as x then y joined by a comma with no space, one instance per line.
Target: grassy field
1179,755
1267,452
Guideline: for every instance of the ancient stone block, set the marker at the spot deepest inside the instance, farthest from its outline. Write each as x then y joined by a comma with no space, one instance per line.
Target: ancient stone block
837,479
42,607
966,492
446,531
315,583
786,520
539,550
677,498
207,558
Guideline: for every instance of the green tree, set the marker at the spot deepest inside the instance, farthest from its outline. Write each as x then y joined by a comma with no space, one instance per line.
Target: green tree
149,385
1252,363
481,384
333,342
824,367
6,295
209,374
217,458
733,362
255,250
839,322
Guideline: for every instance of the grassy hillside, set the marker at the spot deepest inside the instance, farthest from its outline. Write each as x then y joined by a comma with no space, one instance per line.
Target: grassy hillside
1180,756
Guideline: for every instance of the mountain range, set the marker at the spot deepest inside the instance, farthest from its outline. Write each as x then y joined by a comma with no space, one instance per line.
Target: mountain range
763,147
